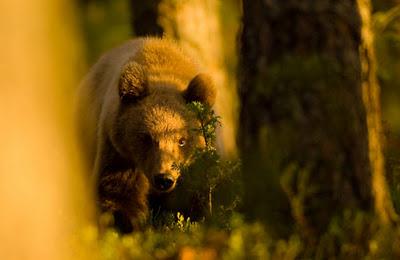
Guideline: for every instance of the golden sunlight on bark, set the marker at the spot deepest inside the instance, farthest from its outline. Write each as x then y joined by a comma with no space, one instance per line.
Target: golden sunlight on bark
39,181
196,25
370,93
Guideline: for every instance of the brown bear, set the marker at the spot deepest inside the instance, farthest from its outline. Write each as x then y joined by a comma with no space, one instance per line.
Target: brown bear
134,123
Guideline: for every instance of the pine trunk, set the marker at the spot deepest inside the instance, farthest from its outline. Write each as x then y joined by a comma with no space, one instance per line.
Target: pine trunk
42,196
145,18
310,132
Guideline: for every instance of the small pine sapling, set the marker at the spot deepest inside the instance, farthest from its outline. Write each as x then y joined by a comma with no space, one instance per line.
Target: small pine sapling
215,182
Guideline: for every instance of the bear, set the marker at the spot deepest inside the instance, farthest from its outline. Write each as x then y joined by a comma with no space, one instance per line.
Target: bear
134,124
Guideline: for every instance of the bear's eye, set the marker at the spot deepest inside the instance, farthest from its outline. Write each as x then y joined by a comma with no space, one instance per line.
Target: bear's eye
182,142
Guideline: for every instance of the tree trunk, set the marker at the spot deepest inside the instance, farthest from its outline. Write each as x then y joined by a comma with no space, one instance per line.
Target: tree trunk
196,25
371,97
43,201
310,119
144,18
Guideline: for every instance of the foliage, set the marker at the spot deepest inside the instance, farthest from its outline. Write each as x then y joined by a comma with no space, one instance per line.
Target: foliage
174,236
184,239
215,182
387,30
352,236
208,122
392,154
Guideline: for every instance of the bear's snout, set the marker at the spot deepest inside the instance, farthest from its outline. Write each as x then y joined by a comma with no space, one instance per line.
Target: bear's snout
164,182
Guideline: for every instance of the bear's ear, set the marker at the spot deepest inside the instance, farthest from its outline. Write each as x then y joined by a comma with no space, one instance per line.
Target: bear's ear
201,88
132,83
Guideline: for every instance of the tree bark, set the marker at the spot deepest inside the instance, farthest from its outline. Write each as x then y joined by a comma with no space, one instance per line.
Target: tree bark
144,18
371,97
42,196
310,119
196,25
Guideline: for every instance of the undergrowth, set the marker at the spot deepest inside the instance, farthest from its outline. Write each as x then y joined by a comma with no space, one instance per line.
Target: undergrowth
223,233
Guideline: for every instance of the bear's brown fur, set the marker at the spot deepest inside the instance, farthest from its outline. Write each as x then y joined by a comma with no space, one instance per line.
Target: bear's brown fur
134,123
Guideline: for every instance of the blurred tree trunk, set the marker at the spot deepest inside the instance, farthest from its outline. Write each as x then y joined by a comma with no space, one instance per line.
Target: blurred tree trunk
310,131
43,202
196,24
145,18
371,98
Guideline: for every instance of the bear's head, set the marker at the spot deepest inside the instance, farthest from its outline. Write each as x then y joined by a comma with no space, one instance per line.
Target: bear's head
154,128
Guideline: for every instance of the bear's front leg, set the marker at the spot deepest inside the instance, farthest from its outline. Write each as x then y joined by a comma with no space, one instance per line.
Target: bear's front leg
124,194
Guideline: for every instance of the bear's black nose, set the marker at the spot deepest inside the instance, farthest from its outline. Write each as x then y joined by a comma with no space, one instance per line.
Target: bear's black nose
163,182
